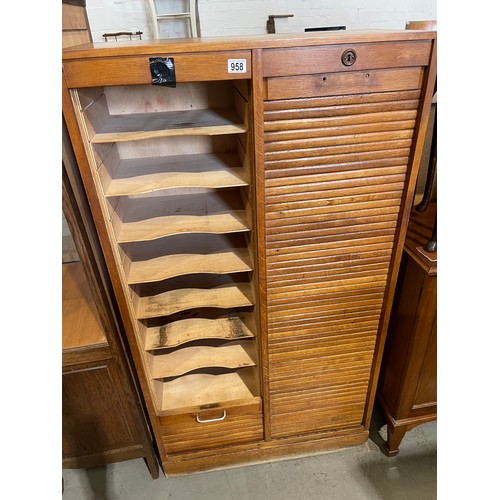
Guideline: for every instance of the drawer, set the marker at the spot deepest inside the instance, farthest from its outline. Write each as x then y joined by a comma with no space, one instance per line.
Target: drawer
134,70
326,59
353,82
213,427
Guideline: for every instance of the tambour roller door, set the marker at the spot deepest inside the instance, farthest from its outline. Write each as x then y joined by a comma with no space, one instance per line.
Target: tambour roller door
335,170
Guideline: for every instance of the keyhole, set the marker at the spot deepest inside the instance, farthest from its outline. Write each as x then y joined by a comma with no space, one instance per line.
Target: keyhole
349,57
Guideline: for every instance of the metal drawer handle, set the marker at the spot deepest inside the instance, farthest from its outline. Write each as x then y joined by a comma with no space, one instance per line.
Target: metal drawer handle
211,419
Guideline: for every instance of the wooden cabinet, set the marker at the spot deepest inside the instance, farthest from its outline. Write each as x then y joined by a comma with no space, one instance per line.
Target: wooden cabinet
252,224
75,23
408,379
103,418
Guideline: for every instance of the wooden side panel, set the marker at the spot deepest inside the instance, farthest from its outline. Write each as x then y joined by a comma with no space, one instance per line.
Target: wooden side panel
332,206
426,392
92,400
73,17
75,28
396,348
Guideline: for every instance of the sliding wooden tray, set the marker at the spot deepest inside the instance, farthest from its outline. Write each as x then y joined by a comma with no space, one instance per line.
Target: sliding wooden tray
203,389
193,291
236,354
151,217
143,175
225,326
182,254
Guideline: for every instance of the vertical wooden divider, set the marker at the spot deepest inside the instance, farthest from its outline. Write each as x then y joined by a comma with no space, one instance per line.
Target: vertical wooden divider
260,229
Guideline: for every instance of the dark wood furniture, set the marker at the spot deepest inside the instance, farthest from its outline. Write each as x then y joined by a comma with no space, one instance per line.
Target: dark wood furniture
408,378
103,420
253,219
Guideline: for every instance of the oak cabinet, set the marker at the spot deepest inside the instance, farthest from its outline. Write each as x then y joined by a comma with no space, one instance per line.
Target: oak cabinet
252,223
407,389
103,417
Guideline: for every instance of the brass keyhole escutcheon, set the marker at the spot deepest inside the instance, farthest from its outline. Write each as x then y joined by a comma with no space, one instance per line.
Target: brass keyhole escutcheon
349,57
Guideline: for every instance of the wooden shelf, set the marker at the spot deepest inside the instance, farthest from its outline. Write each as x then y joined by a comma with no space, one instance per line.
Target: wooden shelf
227,327
170,266
149,218
139,126
173,301
178,203
203,389
183,254
232,355
143,175
81,326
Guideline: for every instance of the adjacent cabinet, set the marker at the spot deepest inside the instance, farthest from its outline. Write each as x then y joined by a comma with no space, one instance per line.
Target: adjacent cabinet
252,216
103,419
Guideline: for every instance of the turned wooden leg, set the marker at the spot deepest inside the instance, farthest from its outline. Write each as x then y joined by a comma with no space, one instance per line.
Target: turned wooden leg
431,246
394,437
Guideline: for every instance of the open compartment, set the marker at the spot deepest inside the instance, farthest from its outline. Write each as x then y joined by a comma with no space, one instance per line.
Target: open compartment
198,325
160,214
215,386
182,254
174,169
137,112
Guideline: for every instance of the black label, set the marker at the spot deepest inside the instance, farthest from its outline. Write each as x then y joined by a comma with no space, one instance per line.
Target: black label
162,71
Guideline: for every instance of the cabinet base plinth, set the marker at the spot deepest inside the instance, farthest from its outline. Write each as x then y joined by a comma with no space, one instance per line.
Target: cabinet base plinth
254,453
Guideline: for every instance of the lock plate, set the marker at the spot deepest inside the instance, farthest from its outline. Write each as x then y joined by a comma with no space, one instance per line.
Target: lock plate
349,57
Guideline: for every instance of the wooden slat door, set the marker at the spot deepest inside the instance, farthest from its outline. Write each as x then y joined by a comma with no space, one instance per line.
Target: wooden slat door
334,174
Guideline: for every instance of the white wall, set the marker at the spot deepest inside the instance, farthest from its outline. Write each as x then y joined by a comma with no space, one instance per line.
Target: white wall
244,17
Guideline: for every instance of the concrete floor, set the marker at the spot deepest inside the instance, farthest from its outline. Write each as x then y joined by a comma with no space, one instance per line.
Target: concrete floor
356,473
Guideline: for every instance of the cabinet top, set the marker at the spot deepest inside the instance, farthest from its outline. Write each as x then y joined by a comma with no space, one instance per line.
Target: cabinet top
183,45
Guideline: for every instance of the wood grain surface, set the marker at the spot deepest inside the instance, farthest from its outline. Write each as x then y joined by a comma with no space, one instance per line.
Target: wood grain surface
322,161
332,206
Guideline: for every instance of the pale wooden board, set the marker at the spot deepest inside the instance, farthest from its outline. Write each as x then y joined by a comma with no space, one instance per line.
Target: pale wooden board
138,126
173,301
81,326
239,354
176,146
130,99
200,244
143,175
148,218
169,266
164,226
230,326
202,389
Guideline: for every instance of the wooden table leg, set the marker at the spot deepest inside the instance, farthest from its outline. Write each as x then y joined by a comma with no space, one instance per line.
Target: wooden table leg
395,435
